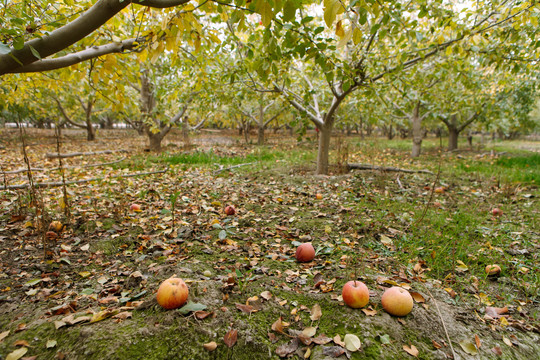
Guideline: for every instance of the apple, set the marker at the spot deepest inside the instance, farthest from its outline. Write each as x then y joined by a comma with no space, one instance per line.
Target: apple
439,190
230,210
56,226
172,293
305,252
318,196
397,301
135,207
437,204
355,294
496,212
493,270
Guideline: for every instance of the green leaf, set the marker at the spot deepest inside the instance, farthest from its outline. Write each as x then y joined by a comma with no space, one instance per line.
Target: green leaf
289,11
468,347
35,52
385,339
191,306
331,8
32,282
18,43
266,13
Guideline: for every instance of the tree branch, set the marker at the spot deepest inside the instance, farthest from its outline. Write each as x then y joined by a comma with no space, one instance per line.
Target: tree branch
66,116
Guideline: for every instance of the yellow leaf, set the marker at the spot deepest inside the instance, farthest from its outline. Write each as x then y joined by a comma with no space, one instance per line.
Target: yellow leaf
17,354
357,36
468,347
339,29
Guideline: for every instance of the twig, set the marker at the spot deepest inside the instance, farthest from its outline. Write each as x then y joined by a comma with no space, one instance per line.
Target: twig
65,167
442,322
56,184
386,168
55,156
67,212
232,167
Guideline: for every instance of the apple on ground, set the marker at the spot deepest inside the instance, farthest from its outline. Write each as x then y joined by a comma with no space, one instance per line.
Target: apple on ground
493,270
496,212
318,196
355,294
56,226
305,253
439,190
230,210
397,301
172,293
135,207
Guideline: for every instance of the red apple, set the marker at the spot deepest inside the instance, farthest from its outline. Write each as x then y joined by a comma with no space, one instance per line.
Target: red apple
397,301
172,293
318,196
135,207
496,212
493,270
230,210
305,253
355,294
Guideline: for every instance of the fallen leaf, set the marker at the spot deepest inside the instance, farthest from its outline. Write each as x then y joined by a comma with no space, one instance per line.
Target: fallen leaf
230,338
248,309
191,306
337,340
369,311
17,354
211,346
309,331
477,341
307,354
496,312
123,315
436,344
461,267
288,348
468,347
21,343
352,342
497,350
507,341
333,351
267,295
3,335
417,297
385,339
51,344
316,312
411,350
201,315
277,326
322,339
102,315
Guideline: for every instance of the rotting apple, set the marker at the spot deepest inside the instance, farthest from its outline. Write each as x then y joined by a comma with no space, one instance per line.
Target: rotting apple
397,301
355,294
493,270
496,212
56,226
305,252
172,293
230,210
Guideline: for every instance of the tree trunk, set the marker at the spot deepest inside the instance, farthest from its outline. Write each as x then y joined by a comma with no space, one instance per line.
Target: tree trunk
90,131
260,135
453,134
469,140
155,141
325,134
417,135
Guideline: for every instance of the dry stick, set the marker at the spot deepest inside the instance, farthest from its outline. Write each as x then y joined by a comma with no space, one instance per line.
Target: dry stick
232,167
55,184
386,168
442,322
67,212
67,167
54,156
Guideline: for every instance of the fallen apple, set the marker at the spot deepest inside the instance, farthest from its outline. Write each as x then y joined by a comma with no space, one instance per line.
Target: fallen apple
496,212
318,196
439,190
135,207
397,301
172,293
56,226
355,294
305,252
493,270
230,210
